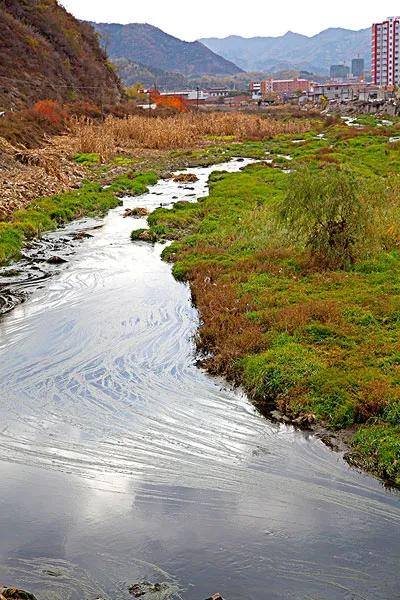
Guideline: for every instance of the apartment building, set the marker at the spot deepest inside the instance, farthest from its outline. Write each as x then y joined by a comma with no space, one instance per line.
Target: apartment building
385,52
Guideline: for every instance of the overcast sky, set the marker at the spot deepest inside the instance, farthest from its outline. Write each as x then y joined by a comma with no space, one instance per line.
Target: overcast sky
206,18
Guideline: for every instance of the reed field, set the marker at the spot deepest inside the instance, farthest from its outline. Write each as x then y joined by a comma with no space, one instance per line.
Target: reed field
178,131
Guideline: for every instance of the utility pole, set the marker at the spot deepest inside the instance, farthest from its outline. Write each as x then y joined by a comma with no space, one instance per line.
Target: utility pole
197,98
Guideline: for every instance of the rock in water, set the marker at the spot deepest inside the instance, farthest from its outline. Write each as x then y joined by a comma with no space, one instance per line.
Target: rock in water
153,591
136,212
186,178
15,594
56,260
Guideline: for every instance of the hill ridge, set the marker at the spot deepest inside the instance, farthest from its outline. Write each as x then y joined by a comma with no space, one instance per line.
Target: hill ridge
294,50
151,46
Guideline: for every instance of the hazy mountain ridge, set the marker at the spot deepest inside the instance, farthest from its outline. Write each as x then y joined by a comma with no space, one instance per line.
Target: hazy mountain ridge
147,45
294,50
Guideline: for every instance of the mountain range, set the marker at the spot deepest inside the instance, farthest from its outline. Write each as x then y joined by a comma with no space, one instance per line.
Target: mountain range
147,45
294,51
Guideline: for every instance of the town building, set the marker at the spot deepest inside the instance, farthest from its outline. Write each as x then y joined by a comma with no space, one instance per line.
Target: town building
339,72
343,92
218,92
358,68
255,89
385,52
281,87
192,95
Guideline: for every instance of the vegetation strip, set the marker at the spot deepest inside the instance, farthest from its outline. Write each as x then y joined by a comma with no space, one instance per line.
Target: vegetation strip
48,213
300,299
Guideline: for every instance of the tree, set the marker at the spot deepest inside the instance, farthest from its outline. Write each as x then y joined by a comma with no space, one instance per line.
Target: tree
332,214
136,92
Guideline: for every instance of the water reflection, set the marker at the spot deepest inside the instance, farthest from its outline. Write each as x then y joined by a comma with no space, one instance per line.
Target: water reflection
121,461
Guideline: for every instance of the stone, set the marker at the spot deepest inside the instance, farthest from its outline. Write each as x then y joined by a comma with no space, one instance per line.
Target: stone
186,178
136,212
12,593
145,588
82,235
56,260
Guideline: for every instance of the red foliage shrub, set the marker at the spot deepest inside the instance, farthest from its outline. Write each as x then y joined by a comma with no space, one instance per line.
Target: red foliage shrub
51,110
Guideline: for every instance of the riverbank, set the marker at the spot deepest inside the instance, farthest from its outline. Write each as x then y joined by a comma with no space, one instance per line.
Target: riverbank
111,432
320,345
114,153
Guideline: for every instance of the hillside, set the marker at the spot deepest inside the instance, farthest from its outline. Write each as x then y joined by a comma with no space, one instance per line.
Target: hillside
47,53
132,72
148,45
294,51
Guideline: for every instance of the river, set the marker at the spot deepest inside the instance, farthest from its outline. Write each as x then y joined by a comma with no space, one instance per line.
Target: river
122,461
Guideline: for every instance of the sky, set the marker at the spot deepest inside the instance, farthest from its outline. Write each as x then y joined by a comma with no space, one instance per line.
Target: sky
208,18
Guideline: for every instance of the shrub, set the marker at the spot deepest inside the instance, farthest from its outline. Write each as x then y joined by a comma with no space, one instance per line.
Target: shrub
51,110
327,213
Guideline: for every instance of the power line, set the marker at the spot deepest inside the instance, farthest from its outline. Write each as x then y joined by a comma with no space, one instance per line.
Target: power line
79,87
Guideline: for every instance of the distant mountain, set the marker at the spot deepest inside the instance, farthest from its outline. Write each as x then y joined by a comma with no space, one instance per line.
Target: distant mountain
46,53
148,45
294,51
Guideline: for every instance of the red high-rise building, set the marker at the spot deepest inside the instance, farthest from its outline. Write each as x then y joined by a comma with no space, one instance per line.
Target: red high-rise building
385,52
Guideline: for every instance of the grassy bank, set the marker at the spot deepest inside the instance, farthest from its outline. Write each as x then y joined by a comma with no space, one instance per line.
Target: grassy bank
320,343
95,198
46,214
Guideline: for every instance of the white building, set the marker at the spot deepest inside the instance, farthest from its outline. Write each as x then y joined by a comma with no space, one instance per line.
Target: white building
385,52
188,94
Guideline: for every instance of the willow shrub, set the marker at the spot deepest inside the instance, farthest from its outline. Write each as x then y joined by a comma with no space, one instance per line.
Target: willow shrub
336,216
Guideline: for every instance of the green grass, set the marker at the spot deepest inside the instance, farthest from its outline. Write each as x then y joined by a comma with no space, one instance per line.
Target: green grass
133,185
377,448
86,159
324,343
46,214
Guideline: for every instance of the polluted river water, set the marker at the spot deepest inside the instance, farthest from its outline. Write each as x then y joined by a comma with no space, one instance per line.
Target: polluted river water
122,461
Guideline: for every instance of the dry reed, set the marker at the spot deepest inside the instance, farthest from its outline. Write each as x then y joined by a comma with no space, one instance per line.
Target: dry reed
178,131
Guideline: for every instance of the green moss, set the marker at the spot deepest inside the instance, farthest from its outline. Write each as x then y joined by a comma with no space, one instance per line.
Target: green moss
86,159
377,448
123,161
46,214
276,372
144,235
134,185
